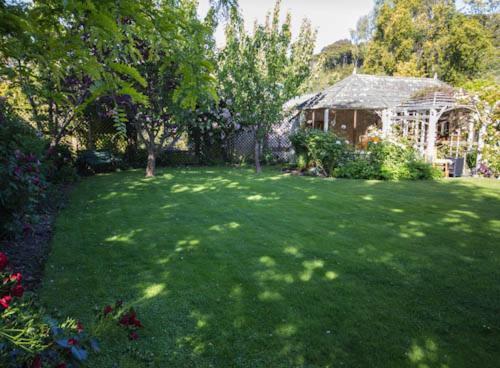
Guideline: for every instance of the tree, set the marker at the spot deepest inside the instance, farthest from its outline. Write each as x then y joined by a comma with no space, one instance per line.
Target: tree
484,96
423,37
177,73
63,55
259,72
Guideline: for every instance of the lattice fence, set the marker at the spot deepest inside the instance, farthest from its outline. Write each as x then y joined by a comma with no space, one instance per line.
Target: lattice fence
277,143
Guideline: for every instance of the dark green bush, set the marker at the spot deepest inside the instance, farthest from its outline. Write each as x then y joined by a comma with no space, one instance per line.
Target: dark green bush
22,181
320,149
357,168
59,165
383,160
90,162
387,161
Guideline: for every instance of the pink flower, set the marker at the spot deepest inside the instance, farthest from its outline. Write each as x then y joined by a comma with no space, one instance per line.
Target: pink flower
133,335
5,301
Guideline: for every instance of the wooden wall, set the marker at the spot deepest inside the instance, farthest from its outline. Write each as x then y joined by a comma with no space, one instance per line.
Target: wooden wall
344,122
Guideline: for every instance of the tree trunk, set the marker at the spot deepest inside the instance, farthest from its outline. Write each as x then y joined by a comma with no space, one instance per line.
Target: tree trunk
151,166
257,155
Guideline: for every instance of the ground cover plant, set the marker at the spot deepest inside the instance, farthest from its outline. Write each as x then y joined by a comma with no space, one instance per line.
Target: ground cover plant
228,269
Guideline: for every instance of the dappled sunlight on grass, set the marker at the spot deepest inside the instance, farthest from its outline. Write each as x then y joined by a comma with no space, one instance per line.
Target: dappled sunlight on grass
231,269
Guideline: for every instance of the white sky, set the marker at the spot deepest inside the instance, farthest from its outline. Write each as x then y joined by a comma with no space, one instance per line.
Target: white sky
332,18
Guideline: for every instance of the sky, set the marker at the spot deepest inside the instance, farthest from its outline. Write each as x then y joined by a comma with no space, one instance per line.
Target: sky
332,18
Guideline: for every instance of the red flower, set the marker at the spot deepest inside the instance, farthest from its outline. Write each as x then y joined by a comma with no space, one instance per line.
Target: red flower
37,362
5,301
133,335
79,327
3,261
124,320
17,290
61,365
135,322
72,341
16,277
107,310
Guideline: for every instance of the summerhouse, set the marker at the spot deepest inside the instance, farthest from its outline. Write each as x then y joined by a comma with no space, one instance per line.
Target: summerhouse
426,110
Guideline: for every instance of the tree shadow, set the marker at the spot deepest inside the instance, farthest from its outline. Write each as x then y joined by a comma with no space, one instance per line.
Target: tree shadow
230,270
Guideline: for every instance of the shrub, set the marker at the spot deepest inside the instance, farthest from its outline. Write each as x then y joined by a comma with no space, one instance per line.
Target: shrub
358,168
59,165
22,182
323,150
390,160
387,161
30,339
420,170
90,162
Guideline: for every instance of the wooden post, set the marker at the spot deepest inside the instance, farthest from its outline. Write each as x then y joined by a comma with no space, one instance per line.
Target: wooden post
313,118
405,124
326,120
302,118
470,136
480,145
355,127
386,123
431,136
422,137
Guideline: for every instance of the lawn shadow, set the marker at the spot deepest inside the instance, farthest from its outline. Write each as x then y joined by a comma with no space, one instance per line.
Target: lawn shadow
232,270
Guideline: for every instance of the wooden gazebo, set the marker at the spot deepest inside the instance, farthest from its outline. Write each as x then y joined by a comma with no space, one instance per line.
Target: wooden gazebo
426,110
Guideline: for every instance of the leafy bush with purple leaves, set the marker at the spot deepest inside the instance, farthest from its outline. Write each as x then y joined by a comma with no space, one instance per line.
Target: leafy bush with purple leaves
22,182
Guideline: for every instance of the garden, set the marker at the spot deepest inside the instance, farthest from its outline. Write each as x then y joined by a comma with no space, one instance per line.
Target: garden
145,220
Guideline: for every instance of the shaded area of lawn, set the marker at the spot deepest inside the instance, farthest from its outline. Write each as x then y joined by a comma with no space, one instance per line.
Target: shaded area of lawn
229,269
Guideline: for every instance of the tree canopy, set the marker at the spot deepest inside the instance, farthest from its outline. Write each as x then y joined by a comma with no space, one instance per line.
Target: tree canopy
423,37
260,71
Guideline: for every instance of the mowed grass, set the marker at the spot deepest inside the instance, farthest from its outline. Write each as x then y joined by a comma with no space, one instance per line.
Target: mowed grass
230,269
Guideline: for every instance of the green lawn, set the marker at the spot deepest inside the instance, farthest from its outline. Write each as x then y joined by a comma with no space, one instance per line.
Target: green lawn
229,269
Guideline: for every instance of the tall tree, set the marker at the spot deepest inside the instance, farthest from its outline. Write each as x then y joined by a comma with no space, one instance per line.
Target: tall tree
261,71
423,37
64,54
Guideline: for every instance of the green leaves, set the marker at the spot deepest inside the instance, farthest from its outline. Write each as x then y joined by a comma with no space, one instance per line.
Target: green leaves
261,71
129,71
420,38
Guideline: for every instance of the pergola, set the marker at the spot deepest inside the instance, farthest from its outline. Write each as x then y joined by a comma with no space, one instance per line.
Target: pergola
429,115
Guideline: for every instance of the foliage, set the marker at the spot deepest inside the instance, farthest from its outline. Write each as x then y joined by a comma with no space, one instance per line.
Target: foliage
420,38
28,338
90,162
211,124
177,72
484,96
259,72
63,56
320,149
22,181
333,63
59,165
397,161
357,168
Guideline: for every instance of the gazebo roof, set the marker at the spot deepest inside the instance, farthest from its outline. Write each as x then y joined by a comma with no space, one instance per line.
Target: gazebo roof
370,92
